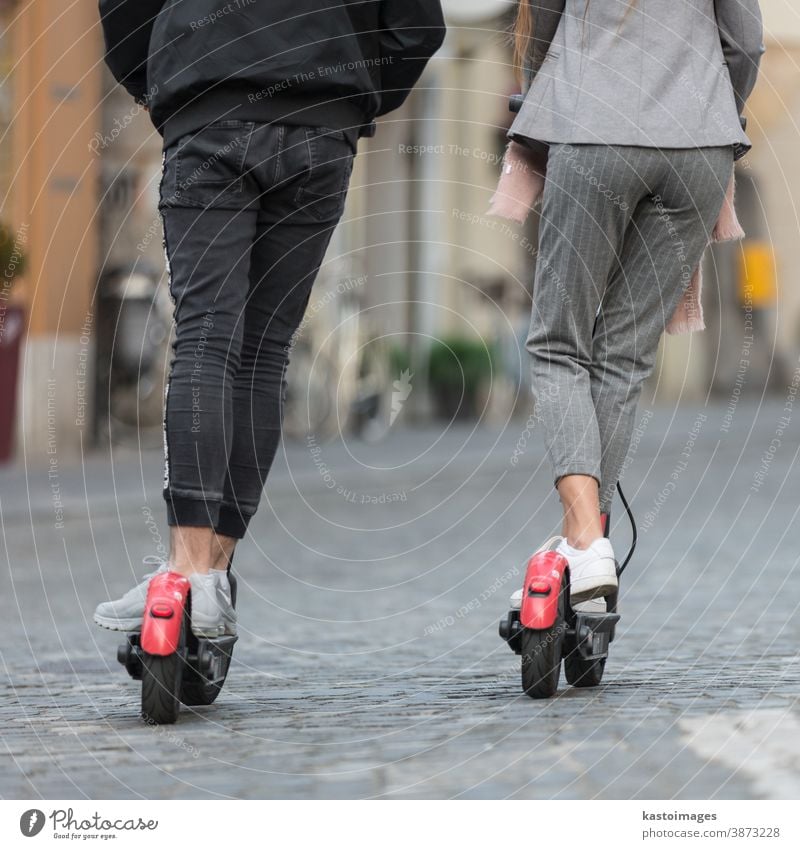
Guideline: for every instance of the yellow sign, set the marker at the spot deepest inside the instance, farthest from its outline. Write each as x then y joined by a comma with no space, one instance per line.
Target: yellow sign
757,279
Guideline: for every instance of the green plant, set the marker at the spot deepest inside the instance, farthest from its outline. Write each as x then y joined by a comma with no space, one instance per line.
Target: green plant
399,360
12,257
458,368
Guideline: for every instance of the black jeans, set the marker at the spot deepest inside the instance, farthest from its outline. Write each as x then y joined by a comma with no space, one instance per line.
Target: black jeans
248,211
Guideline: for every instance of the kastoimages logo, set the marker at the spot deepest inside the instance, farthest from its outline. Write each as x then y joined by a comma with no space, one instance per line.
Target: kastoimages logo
31,822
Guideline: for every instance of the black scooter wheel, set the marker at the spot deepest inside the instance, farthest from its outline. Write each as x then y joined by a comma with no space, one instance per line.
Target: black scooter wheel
541,656
161,684
583,673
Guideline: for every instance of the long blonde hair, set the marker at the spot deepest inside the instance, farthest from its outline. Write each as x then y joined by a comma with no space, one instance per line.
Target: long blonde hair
522,34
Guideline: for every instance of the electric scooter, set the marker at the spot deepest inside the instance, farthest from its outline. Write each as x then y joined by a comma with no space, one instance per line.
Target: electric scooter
175,666
546,629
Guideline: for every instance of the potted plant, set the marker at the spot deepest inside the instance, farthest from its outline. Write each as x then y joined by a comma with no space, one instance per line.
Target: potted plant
459,370
12,325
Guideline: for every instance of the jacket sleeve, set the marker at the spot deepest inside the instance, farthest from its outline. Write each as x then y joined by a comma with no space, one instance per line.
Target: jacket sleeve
127,25
411,31
741,33
546,17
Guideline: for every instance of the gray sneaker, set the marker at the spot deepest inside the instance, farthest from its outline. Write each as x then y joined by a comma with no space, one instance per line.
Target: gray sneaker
206,609
125,614
225,603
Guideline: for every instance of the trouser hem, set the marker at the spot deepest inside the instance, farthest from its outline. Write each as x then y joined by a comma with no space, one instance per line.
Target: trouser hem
233,522
191,512
589,471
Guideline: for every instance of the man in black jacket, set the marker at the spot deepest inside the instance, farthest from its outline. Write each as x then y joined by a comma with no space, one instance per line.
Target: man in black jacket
260,104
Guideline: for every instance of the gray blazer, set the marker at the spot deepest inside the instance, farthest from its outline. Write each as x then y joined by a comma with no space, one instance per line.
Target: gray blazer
651,73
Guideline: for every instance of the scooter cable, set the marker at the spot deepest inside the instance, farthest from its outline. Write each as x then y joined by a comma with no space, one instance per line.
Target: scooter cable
635,536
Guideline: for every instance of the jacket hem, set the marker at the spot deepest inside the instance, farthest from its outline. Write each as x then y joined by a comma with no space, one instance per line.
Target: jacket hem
741,147
227,104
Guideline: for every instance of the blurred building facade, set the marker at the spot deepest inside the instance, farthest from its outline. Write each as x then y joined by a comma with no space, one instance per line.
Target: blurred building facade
775,129
80,167
49,200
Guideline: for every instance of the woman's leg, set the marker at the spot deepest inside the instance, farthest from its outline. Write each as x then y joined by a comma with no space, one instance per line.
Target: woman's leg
581,232
662,248
579,496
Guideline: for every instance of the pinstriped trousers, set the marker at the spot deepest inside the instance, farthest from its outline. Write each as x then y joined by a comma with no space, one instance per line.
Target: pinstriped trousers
622,231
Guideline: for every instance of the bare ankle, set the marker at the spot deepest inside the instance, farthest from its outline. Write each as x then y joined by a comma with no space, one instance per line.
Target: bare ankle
580,499
581,541
224,552
199,550
189,569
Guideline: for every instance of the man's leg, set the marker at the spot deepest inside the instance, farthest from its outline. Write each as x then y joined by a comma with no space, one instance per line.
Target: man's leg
208,261
209,217
209,257
297,219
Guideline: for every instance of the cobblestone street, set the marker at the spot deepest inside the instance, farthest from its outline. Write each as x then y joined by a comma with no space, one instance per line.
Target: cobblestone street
371,586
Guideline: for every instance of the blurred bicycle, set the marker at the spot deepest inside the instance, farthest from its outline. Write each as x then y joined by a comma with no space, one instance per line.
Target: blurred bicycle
134,325
338,380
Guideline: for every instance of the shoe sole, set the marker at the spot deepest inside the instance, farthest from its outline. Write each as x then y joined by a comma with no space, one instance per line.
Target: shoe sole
597,591
118,624
208,632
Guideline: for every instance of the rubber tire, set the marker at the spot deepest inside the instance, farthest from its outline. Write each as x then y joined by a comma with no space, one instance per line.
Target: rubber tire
161,685
583,673
541,656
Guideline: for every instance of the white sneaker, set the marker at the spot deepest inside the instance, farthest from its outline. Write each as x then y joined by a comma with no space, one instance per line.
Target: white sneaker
225,603
592,571
206,611
551,545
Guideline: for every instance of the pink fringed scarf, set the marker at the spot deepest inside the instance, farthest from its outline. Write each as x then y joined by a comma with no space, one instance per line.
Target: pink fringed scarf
521,186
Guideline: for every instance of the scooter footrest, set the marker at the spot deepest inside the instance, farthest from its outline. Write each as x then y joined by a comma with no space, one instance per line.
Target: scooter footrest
593,632
210,657
129,654
598,622
511,631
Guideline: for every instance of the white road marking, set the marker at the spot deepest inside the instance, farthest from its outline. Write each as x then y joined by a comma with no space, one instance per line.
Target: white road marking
763,745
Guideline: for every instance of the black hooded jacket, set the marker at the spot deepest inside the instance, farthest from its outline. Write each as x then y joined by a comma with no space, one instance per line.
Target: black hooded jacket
331,63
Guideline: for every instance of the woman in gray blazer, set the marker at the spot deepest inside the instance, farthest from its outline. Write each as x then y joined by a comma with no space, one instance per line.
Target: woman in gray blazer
638,106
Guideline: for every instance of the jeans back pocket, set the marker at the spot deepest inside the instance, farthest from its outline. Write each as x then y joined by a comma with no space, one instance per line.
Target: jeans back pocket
323,189
209,165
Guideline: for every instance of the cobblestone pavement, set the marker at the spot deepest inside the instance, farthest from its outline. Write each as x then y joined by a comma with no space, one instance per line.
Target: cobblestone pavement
369,663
